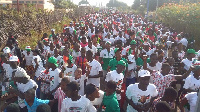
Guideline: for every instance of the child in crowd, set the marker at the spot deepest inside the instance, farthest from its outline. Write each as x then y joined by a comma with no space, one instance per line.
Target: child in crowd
75,102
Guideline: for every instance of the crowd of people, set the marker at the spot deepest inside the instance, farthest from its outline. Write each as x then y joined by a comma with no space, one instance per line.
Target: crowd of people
105,61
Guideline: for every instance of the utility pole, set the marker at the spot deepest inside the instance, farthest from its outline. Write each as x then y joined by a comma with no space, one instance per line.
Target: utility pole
18,5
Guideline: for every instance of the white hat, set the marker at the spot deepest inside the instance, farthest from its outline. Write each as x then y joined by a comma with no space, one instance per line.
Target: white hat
143,73
21,73
131,58
6,50
52,29
13,58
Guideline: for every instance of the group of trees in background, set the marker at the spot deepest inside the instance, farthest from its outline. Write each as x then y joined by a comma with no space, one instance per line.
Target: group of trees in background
63,4
116,3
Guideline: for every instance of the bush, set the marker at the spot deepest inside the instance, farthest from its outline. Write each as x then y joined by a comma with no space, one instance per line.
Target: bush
182,17
30,24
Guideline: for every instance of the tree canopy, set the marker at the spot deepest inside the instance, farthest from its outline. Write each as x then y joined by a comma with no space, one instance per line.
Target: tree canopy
83,2
116,3
63,4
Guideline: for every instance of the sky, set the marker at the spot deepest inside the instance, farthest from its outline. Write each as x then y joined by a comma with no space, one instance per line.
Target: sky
104,2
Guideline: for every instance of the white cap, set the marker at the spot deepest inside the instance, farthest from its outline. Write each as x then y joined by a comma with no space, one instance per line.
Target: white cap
143,73
21,73
27,47
6,50
52,29
131,58
13,58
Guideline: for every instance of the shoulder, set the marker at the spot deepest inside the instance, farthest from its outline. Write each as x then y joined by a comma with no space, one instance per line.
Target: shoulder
152,86
132,86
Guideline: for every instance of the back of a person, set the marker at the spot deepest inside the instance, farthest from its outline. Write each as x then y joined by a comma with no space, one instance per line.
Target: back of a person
43,108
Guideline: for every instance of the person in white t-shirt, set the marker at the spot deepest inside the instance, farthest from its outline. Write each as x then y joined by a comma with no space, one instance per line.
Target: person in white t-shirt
91,47
94,68
117,76
79,78
94,94
141,95
189,61
24,83
190,98
70,68
192,82
55,74
74,102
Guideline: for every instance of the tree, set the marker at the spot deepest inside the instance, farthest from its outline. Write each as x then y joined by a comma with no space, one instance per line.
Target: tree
116,3
63,4
136,4
83,2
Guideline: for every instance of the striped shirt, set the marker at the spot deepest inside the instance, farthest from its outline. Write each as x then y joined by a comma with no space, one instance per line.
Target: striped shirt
60,95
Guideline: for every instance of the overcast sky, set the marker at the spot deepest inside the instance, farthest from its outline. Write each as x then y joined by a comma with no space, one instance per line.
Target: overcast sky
104,2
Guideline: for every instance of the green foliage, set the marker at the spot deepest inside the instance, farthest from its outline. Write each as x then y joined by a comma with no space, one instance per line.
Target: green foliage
183,17
116,3
30,24
64,4
83,2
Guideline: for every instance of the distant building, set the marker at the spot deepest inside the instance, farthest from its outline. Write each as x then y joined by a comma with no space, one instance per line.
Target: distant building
39,4
5,3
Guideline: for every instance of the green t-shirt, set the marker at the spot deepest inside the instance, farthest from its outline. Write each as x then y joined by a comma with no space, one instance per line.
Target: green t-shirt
110,103
105,63
113,63
140,62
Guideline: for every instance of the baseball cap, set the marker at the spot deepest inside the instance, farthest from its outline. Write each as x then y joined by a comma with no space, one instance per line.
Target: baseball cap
6,50
191,51
53,60
144,73
121,62
28,48
133,42
13,58
116,49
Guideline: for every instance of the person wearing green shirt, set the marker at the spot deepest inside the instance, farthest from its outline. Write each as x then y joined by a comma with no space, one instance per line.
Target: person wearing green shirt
110,103
113,62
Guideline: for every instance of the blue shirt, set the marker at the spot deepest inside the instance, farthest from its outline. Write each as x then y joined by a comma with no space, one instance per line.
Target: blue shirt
36,103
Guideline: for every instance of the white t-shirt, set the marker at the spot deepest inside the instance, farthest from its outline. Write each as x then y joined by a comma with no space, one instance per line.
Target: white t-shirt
81,105
98,101
192,100
95,69
138,96
54,78
105,54
28,57
80,81
187,63
70,71
192,83
40,65
93,49
75,55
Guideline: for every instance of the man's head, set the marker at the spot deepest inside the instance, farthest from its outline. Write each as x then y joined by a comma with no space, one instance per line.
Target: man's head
43,108
72,89
120,66
13,107
110,87
191,53
108,45
117,53
170,60
91,92
64,83
30,95
89,55
133,44
13,61
78,73
165,69
171,94
154,59
144,76
52,62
